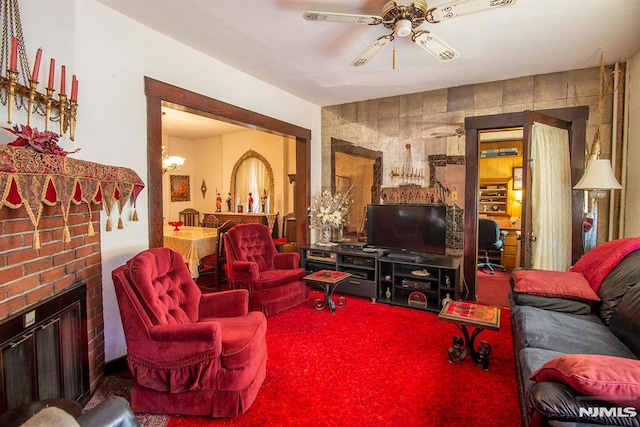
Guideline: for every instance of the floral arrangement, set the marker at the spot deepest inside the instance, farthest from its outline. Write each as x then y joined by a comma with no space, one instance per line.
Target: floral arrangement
43,142
329,210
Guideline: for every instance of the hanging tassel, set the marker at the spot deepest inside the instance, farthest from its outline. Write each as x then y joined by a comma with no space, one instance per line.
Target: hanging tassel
66,236
120,224
36,239
109,226
135,215
91,231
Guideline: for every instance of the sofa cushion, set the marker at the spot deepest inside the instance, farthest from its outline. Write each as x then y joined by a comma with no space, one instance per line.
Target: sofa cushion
565,332
625,322
550,303
559,284
529,360
612,379
623,277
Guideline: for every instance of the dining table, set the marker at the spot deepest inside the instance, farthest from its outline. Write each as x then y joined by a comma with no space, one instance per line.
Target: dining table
192,243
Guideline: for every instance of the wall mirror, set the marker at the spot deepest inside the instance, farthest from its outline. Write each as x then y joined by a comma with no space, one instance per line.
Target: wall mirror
360,170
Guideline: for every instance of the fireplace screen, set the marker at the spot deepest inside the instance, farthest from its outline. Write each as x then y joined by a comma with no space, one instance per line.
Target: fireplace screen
47,360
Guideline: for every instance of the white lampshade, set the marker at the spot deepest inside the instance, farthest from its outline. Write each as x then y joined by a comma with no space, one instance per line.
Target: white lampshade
598,176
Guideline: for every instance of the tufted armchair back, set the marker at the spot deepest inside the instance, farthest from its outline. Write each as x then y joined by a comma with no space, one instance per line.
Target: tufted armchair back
253,243
164,287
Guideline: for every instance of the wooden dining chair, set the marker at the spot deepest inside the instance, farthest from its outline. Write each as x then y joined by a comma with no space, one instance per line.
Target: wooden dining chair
210,221
190,217
214,263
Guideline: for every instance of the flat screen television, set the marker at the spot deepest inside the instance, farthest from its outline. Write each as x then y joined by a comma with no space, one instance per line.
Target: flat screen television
407,228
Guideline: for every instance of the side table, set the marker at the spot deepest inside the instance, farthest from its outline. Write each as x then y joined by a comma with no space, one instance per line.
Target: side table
328,281
477,316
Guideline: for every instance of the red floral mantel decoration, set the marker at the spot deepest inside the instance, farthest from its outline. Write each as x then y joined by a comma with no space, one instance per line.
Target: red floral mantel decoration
43,142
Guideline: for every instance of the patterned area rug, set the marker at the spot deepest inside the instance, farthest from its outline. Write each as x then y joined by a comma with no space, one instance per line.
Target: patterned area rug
114,385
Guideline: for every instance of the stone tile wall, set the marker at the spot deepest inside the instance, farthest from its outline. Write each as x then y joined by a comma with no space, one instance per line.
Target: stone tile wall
387,124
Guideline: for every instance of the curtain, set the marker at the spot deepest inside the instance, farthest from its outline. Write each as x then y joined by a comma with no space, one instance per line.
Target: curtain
550,198
251,178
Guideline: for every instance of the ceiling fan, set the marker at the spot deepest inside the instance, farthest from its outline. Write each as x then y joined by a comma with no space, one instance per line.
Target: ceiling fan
404,20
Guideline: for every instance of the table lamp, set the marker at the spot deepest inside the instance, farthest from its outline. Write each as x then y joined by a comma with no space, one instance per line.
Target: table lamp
598,178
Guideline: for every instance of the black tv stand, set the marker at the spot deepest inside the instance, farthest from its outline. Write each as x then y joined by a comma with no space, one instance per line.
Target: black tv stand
405,256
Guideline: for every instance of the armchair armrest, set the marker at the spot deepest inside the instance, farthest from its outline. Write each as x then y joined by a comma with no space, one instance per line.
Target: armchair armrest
286,260
245,268
560,402
232,303
178,342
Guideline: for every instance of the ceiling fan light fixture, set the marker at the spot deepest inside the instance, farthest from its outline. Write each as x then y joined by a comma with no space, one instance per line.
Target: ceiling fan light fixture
403,27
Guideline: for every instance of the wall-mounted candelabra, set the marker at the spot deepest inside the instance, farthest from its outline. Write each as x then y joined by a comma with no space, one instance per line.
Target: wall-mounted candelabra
407,172
19,90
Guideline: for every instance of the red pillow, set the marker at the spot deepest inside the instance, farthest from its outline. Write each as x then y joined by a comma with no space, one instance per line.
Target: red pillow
612,379
558,284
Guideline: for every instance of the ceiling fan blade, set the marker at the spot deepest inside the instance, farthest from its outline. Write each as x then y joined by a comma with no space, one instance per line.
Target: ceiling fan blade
371,50
342,17
434,45
463,7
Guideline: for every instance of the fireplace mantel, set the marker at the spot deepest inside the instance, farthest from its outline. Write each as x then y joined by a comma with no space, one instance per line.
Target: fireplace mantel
32,179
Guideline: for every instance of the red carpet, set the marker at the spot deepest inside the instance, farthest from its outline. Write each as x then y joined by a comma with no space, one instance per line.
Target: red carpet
376,365
493,289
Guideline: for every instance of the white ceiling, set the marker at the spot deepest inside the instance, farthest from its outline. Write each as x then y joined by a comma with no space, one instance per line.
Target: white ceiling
270,40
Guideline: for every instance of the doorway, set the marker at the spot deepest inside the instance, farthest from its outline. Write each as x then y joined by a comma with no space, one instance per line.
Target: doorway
577,118
162,94
500,194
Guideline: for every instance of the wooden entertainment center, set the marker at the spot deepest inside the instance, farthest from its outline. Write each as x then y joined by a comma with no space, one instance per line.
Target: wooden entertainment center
404,276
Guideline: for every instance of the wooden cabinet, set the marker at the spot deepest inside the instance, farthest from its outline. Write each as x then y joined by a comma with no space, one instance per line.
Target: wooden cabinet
435,278
493,197
362,266
511,250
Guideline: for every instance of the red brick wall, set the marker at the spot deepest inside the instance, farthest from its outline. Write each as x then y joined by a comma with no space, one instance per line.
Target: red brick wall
28,275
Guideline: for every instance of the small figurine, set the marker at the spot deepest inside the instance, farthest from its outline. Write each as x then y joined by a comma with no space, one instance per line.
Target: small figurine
250,203
218,202
263,201
229,202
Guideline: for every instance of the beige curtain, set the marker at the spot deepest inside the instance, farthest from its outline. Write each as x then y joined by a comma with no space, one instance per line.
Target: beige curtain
251,177
550,198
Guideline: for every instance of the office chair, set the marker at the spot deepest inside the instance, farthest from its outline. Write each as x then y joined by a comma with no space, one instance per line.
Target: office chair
490,238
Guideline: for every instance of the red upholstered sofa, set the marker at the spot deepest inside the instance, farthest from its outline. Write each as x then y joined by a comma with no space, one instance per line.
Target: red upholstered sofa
189,353
274,280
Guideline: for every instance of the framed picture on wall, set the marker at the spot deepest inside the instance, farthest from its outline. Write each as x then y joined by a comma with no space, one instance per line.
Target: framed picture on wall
180,188
517,178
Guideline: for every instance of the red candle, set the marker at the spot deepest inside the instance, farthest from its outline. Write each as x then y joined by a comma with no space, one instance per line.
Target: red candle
52,72
63,76
74,88
13,66
36,66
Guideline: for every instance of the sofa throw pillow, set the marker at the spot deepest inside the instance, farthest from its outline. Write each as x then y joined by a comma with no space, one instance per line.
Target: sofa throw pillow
557,284
611,379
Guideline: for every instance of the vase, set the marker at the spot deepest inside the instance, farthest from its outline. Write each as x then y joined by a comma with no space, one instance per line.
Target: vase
325,235
336,234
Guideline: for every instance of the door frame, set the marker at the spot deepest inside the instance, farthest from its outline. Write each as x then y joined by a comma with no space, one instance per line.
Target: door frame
578,117
159,93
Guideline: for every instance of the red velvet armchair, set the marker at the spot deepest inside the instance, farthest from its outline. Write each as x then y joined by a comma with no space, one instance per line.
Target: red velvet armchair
189,353
274,280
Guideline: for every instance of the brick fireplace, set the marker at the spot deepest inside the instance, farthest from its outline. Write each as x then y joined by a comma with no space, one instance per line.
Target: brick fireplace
29,276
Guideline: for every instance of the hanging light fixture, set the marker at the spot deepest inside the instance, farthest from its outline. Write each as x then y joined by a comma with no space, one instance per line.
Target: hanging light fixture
170,163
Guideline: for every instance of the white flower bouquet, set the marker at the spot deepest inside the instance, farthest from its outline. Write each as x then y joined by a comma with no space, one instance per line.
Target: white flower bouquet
329,211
